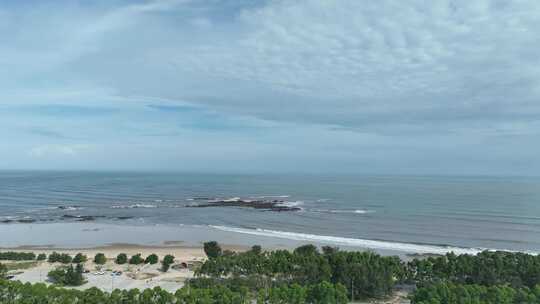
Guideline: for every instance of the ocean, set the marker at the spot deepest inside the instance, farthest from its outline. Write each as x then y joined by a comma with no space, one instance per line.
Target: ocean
415,213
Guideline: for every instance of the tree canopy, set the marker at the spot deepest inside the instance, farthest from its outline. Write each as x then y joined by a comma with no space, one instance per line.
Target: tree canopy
212,249
100,259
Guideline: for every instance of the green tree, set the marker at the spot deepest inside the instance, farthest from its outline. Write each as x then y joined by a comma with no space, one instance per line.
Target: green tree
151,259
100,259
41,257
67,275
121,259
212,249
306,250
80,258
3,271
136,259
168,260
326,293
63,258
256,249
17,256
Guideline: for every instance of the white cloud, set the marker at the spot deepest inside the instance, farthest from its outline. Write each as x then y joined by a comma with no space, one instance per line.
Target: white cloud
345,62
44,151
409,75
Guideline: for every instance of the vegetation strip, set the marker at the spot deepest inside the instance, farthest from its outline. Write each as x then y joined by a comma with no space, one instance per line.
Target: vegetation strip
304,275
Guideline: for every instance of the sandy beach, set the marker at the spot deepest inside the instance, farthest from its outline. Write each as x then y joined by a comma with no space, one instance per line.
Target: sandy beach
93,234
183,242
111,240
133,276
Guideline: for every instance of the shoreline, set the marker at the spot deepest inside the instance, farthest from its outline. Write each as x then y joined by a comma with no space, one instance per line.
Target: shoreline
85,236
123,247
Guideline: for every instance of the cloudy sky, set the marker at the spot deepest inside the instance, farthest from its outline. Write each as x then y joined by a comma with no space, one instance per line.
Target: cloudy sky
402,87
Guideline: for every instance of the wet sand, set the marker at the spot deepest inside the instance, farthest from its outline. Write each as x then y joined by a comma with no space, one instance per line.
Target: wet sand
91,235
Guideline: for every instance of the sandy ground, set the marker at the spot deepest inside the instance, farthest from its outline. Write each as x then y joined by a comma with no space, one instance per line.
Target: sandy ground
133,276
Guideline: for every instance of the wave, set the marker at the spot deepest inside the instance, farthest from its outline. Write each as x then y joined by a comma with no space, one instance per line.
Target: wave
364,243
133,206
290,204
232,199
69,208
273,196
356,211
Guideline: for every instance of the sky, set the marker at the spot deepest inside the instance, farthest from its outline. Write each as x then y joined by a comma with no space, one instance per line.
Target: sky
306,86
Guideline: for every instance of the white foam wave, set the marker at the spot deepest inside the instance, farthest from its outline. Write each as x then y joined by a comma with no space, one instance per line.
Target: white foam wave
290,204
360,211
69,208
232,199
363,243
133,206
273,196
62,207
356,211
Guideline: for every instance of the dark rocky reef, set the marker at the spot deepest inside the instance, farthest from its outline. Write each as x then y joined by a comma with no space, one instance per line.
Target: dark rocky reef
275,205
123,217
81,218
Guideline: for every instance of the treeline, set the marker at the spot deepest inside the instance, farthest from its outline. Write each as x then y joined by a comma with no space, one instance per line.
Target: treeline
366,274
486,268
307,275
152,259
63,258
30,256
323,293
488,277
450,293
17,256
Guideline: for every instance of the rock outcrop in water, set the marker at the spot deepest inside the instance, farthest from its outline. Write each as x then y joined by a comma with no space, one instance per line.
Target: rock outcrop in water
82,218
275,205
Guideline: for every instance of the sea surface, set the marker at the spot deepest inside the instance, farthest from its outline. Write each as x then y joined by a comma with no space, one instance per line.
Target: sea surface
392,212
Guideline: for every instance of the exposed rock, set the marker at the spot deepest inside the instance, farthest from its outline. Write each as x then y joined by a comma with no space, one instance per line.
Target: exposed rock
275,205
26,220
81,218
124,217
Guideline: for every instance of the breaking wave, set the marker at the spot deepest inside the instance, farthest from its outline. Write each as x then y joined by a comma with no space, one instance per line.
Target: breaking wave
356,211
273,196
69,208
290,204
133,206
364,243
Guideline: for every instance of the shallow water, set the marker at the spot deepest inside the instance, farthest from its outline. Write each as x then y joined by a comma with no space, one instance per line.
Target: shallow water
479,212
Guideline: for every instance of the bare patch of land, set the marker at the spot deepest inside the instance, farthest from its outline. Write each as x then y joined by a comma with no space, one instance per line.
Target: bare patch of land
106,277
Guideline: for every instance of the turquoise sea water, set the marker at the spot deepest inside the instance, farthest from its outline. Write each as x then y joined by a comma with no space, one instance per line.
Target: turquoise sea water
480,212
